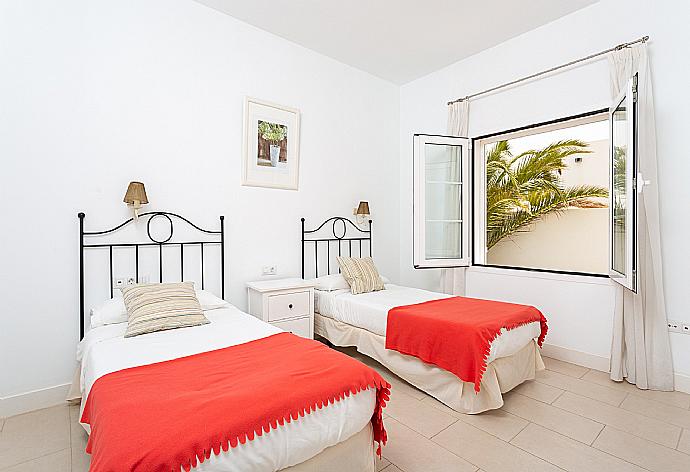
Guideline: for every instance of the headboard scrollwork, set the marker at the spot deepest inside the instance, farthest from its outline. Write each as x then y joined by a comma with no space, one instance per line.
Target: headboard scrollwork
214,237
340,230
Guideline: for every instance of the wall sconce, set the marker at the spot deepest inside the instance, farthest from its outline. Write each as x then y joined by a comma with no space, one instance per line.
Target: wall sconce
136,196
362,212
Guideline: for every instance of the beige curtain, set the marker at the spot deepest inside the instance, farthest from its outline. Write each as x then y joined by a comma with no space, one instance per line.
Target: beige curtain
641,351
453,280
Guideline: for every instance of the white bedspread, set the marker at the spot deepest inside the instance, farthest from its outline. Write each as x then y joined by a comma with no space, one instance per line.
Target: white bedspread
105,350
370,311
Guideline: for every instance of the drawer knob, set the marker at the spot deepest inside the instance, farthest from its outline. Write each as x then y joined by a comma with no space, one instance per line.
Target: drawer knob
290,306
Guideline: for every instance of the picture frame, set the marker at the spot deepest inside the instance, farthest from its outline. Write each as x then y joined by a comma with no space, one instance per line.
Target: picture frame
270,150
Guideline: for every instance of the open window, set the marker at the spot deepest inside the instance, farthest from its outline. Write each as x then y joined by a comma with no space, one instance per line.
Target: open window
624,188
441,201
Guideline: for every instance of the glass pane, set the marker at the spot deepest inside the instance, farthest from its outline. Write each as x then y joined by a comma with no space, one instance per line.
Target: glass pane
443,240
443,203
443,163
620,183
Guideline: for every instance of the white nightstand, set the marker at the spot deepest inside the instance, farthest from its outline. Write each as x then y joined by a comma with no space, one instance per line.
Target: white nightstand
285,303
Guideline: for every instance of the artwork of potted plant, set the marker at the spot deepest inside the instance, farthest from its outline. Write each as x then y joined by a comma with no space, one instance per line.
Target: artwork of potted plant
274,134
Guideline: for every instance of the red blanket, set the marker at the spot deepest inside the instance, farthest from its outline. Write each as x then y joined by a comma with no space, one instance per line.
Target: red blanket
456,333
173,414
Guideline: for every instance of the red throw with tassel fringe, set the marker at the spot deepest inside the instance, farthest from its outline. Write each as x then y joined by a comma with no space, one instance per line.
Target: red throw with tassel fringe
172,414
456,333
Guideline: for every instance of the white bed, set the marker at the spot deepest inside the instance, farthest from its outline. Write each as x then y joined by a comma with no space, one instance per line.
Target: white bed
360,320
342,430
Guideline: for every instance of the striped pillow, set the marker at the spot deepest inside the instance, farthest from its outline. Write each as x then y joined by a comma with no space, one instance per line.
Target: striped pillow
361,274
158,307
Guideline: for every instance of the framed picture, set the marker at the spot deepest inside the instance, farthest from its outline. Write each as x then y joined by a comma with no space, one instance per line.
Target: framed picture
271,145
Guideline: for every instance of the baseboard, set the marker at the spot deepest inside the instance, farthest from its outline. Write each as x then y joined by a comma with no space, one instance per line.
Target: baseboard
584,359
34,400
682,382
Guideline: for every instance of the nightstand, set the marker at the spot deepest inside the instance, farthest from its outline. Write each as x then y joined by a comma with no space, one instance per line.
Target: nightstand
287,304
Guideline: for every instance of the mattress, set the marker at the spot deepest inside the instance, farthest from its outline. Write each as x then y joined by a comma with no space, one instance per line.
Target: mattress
105,350
369,311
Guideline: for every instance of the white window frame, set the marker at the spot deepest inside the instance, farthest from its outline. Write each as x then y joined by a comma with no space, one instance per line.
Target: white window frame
479,182
628,97
420,260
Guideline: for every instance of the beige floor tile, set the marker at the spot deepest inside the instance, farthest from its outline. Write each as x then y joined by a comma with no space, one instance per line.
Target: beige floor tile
539,391
561,421
684,443
566,368
661,411
398,384
633,423
2,424
500,423
420,416
78,438
567,453
382,463
33,435
392,468
489,452
581,387
412,452
639,451
678,399
55,462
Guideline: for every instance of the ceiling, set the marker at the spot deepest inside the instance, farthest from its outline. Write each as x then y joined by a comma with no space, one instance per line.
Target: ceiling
397,40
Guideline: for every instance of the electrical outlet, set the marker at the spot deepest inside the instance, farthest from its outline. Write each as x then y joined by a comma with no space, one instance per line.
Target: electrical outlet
269,270
675,326
131,281
685,328
119,283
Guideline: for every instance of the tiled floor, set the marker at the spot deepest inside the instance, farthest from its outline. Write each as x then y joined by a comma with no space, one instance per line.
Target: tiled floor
571,418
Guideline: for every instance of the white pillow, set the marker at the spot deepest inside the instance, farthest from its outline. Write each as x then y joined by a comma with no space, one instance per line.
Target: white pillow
209,301
329,283
113,311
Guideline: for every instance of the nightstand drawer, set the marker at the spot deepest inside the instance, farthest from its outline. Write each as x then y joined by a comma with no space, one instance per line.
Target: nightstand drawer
288,305
300,326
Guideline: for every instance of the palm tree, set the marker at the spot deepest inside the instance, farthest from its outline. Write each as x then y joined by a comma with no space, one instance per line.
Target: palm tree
522,189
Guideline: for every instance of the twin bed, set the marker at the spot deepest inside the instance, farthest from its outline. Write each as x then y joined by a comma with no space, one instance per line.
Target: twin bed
239,394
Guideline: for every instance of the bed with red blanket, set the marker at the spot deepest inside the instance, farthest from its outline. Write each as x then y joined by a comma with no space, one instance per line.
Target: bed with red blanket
235,394
466,352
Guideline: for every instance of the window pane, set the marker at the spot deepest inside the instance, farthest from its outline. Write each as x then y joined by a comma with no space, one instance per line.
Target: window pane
546,197
443,204
620,184
443,240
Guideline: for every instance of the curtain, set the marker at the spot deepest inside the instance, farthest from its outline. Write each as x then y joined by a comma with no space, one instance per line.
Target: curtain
453,279
641,350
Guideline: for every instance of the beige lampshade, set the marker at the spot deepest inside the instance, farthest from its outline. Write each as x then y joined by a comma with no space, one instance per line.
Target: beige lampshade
136,193
363,209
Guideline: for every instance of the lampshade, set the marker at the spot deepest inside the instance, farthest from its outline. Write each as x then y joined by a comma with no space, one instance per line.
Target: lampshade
363,209
136,192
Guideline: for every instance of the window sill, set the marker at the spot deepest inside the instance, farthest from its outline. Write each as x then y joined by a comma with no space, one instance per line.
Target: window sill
530,274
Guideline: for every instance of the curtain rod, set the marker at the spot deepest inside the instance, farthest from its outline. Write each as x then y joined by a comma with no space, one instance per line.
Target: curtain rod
643,39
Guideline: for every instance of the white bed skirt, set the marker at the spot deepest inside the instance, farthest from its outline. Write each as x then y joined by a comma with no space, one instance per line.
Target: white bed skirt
502,375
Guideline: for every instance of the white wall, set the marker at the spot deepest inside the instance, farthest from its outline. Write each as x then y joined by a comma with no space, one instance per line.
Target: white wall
581,89
94,94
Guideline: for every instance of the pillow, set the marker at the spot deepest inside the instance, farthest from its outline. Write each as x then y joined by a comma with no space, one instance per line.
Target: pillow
361,274
113,311
159,307
109,312
329,283
209,301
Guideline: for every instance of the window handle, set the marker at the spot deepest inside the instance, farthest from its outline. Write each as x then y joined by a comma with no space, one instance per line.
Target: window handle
641,183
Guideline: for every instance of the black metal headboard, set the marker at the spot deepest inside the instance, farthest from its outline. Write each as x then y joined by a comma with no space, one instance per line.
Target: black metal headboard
339,233
219,238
